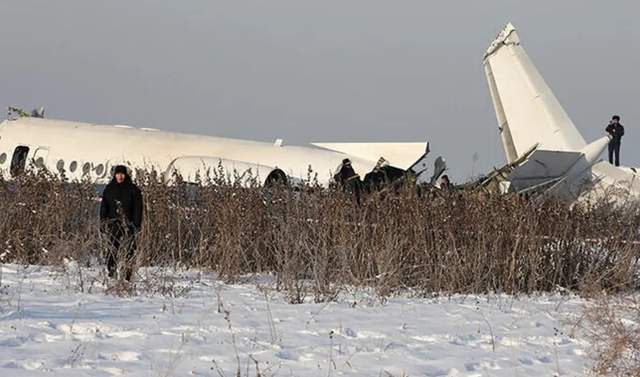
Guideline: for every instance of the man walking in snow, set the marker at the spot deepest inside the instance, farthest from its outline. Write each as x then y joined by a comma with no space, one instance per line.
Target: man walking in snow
616,131
121,219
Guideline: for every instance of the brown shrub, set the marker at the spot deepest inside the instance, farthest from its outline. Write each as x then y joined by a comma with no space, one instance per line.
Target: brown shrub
317,240
613,329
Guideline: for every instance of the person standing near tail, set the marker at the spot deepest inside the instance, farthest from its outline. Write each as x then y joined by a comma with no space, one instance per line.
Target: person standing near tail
616,131
121,219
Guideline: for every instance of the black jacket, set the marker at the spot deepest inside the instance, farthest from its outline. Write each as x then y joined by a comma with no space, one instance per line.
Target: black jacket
616,132
122,203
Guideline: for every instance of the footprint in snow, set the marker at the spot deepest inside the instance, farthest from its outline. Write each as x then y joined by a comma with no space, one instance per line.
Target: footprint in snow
371,334
350,332
288,355
123,356
525,361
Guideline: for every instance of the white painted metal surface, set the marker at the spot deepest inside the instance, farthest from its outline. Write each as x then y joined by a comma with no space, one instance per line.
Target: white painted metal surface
526,109
529,114
87,150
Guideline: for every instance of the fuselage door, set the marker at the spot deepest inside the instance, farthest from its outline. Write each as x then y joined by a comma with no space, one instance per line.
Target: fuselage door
19,160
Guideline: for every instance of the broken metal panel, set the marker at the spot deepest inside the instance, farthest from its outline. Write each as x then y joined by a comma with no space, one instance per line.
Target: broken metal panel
15,113
493,182
542,166
420,165
545,164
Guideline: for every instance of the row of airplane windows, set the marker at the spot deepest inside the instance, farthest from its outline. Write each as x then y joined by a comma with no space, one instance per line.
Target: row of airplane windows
19,159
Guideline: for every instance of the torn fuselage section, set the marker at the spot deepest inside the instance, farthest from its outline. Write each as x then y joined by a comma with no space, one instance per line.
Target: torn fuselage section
16,112
497,181
562,174
384,175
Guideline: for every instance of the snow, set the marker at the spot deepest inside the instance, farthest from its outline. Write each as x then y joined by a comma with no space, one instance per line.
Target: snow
48,325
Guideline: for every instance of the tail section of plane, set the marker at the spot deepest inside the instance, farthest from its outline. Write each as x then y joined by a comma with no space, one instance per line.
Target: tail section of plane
526,109
569,169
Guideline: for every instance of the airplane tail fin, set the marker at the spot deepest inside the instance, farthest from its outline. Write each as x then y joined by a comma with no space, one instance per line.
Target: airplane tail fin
526,109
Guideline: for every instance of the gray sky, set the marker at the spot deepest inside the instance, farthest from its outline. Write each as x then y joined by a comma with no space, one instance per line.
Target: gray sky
304,71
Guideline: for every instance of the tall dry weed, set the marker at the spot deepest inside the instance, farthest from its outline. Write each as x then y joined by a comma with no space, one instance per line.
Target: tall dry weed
317,241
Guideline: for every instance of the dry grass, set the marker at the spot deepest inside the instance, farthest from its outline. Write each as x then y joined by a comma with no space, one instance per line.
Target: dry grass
318,240
613,324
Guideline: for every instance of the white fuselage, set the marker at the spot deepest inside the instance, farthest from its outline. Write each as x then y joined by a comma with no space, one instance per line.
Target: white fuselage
86,151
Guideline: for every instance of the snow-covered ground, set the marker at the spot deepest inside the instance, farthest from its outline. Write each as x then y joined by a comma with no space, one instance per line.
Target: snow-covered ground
47,327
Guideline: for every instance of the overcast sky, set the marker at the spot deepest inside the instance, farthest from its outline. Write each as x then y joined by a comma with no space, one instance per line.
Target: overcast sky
318,71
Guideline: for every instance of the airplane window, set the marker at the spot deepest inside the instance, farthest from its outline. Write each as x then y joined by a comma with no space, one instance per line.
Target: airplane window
60,166
73,166
99,169
3,158
112,171
19,160
86,168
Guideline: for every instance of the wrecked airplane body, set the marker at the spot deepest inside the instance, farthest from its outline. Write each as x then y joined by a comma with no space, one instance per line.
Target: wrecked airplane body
87,151
544,149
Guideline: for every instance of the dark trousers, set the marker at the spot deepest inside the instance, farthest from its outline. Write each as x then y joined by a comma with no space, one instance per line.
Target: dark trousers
614,153
122,244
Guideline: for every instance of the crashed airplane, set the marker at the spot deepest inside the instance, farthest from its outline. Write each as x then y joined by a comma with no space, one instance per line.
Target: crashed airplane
544,149
87,151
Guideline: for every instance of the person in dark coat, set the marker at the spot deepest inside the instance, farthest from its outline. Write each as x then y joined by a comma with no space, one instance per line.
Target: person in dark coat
121,219
445,184
616,131
349,179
